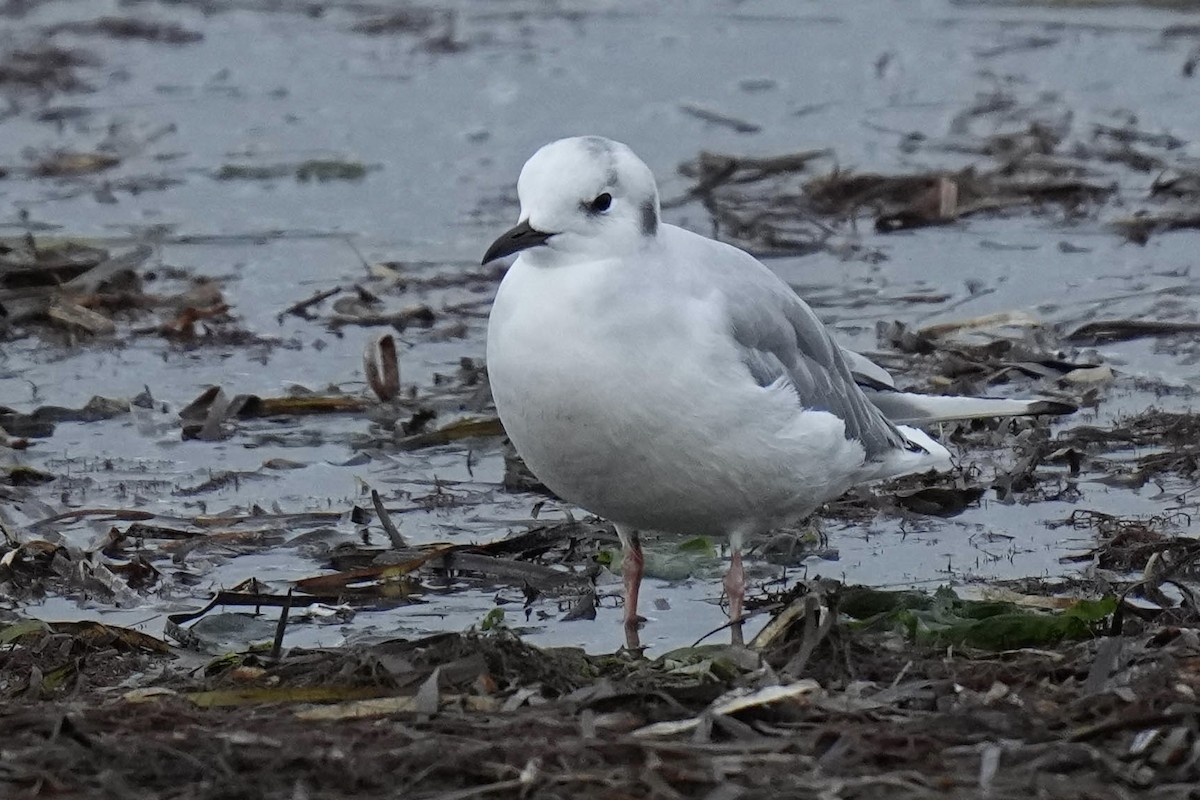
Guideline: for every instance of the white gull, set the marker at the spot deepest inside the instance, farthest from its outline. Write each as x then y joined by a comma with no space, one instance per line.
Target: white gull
670,382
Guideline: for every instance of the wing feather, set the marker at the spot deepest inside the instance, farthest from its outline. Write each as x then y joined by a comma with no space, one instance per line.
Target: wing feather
780,337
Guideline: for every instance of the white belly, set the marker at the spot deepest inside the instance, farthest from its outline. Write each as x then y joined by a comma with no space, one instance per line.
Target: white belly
664,430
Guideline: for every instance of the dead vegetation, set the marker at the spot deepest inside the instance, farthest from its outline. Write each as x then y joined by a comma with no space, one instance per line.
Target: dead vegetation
1076,688
1027,162
79,289
129,28
904,696
43,70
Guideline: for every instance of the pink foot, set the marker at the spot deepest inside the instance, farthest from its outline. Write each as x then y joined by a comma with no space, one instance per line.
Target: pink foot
735,590
632,568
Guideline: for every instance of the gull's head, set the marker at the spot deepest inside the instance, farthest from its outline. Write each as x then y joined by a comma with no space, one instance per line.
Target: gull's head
582,199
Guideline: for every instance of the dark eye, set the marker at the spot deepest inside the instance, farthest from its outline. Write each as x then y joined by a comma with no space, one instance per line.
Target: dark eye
601,203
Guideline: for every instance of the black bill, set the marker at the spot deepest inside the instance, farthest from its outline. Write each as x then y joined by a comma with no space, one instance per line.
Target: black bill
515,240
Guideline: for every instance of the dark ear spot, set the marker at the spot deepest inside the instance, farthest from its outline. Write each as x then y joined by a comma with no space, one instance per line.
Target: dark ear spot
649,218
597,146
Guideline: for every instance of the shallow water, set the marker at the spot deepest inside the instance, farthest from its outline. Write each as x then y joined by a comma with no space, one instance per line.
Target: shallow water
444,135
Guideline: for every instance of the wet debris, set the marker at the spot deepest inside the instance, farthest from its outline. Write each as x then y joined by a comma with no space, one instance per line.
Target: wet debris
447,300
366,312
44,69
517,476
82,289
1177,184
1026,162
1132,135
1123,330
436,29
129,28
12,442
555,562
49,659
719,119
1139,228
974,356
415,20
23,476
1080,690
34,567
939,619
1126,544
71,164
225,632
40,422
385,521
729,704
25,263
132,555
399,416
890,695
209,416
381,365
1170,442
938,501
781,210
465,428
711,170
312,170
1039,464
302,308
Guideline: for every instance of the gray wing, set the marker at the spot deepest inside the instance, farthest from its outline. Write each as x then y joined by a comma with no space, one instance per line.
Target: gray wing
780,337
867,374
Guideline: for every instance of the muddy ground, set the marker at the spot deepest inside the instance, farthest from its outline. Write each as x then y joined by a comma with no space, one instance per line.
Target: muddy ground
263,536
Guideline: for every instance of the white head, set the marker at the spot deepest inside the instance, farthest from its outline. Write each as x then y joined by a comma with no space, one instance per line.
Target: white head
582,198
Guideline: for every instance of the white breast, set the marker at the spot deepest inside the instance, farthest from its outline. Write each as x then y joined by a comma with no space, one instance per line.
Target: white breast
644,414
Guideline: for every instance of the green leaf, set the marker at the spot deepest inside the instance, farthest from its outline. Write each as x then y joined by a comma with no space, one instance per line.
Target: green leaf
700,545
985,609
12,633
944,619
863,602
56,678
1093,610
710,661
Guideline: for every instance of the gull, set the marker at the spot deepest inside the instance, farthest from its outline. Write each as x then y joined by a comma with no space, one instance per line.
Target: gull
670,382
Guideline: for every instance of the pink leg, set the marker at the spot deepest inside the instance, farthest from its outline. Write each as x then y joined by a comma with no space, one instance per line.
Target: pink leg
632,567
735,589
